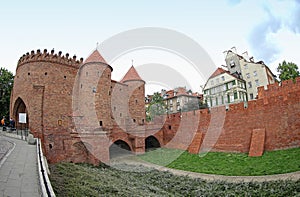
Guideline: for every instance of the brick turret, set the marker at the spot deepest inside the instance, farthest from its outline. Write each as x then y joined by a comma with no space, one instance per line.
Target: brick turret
136,93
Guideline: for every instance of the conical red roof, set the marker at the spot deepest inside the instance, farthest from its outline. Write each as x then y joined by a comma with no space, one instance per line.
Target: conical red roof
95,57
132,74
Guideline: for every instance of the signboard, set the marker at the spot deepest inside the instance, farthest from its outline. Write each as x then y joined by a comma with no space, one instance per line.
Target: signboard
22,117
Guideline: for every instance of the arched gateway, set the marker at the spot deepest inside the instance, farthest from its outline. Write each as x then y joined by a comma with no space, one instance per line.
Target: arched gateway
151,143
119,148
20,107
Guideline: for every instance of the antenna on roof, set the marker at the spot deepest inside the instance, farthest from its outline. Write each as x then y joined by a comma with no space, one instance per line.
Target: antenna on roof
131,62
97,45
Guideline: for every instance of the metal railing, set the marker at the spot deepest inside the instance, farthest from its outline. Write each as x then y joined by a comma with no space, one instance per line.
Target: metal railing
23,133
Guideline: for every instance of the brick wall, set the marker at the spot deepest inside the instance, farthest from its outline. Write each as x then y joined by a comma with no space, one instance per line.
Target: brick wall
65,105
277,111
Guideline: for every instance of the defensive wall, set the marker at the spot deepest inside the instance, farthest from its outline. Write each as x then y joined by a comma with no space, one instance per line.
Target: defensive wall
269,123
44,89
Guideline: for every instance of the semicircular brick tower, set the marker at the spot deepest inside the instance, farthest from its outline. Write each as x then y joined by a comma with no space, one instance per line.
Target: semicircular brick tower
43,90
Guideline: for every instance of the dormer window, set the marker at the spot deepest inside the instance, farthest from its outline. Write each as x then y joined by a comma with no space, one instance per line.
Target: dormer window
232,64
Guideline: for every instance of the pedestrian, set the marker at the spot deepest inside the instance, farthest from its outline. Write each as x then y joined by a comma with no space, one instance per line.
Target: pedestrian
3,121
12,123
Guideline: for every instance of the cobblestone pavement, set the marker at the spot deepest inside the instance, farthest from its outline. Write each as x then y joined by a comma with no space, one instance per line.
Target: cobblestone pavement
5,146
18,168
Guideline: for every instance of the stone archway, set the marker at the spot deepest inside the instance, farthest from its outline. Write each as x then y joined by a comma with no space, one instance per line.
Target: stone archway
151,143
119,148
20,107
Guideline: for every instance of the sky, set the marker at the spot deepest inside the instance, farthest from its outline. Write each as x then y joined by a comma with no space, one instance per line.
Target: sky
268,29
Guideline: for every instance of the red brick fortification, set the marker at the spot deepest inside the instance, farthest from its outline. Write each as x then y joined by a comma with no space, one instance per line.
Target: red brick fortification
269,123
70,105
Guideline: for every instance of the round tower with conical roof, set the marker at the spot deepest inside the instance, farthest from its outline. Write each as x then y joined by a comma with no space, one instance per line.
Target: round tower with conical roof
94,93
136,95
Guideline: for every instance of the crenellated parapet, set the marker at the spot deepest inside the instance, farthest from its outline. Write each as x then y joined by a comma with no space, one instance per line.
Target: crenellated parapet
279,89
52,57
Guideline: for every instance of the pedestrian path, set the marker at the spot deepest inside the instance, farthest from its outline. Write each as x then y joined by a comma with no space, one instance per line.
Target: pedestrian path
18,169
133,160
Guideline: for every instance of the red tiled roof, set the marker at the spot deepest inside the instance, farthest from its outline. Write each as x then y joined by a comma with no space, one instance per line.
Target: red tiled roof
218,72
95,57
180,91
132,74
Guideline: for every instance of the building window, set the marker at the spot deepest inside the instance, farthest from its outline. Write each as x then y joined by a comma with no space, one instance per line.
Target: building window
248,75
170,127
251,96
235,95
254,73
233,83
256,82
232,64
217,81
246,66
212,82
223,78
171,109
249,84
171,102
101,123
134,120
228,98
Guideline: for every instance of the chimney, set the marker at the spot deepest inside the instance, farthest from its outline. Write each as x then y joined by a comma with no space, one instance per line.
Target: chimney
233,49
245,55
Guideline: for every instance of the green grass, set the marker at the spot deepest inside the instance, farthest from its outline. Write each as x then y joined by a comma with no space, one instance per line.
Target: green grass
231,164
85,180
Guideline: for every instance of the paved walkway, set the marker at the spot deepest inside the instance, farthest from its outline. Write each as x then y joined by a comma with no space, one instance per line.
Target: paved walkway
133,160
18,168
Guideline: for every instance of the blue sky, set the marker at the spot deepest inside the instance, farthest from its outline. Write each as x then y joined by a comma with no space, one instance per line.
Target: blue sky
268,30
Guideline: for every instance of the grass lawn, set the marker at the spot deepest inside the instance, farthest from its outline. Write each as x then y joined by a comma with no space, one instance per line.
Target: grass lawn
231,164
70,179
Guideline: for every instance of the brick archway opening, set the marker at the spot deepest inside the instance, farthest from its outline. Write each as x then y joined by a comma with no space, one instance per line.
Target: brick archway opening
151,143
119,148
20,107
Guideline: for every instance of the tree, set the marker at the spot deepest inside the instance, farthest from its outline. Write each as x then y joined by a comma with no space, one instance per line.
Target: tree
156,107
287,71
6,84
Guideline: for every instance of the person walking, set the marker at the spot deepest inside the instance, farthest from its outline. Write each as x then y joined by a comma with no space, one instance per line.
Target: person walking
3,121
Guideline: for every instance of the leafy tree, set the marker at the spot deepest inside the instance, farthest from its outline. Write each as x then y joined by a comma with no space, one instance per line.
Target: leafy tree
6,84
287,70
156,107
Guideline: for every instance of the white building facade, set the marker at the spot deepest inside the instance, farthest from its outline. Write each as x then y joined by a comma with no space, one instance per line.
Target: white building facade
223,88
255,74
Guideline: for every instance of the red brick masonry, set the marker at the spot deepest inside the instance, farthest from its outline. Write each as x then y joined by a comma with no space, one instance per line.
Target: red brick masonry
81,128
